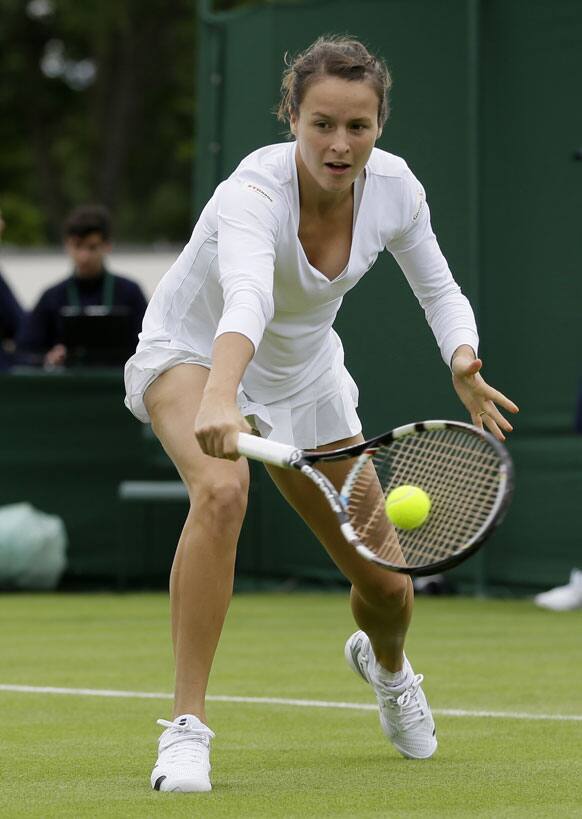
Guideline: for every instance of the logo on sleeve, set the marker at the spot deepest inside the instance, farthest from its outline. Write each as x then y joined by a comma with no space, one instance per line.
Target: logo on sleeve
419,203
258,190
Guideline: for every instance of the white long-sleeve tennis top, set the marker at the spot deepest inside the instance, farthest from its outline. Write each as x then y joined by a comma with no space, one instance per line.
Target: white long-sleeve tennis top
244,270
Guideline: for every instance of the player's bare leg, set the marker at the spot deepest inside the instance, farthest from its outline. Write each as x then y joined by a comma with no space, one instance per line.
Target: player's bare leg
202,573
381,601
382,606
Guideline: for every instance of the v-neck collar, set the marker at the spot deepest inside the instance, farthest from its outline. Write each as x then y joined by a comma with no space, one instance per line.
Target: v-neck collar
359,189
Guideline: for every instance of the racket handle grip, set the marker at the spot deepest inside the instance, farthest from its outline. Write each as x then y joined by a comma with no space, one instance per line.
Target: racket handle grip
269,452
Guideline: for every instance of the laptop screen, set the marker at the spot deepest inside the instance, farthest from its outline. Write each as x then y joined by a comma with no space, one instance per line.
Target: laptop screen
98,336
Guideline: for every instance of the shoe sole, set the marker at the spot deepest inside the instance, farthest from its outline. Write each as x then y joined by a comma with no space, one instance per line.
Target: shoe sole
409,756
178,789
158,785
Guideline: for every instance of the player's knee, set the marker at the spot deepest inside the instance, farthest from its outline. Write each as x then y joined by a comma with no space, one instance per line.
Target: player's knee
221,499
389,593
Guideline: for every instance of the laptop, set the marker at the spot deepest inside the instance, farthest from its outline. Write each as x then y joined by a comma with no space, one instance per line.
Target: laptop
98,336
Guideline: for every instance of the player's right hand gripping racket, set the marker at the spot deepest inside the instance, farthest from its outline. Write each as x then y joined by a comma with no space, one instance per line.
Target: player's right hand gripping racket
466,472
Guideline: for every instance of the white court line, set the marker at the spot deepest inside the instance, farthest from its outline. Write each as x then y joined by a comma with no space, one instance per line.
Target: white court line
356,706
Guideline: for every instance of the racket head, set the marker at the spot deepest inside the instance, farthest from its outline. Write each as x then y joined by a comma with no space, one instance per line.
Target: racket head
467,474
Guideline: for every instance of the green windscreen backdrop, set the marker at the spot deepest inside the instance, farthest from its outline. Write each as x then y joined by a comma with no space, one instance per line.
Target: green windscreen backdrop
486,109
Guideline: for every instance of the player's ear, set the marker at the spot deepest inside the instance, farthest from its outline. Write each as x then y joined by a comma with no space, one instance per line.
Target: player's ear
379,134
293,124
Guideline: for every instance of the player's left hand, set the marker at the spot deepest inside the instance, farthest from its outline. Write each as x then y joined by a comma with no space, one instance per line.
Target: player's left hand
481,400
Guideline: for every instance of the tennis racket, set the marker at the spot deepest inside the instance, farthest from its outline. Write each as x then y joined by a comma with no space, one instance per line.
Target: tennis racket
466,472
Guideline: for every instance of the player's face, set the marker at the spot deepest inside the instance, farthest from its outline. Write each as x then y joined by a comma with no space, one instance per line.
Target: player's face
335,130
88,253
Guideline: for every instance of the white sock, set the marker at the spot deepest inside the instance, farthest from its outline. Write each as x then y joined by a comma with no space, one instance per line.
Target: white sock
393,679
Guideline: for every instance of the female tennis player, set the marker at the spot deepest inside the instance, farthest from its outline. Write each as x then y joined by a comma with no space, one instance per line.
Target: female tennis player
238,337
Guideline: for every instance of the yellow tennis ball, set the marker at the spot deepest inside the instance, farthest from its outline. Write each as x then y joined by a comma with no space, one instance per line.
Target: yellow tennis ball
407,506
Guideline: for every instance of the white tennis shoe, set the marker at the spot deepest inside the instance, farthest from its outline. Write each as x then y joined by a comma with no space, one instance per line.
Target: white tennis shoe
563,598
183,757
405,714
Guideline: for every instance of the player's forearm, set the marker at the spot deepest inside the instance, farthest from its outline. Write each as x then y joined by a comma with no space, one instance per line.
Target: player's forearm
231,355
447,310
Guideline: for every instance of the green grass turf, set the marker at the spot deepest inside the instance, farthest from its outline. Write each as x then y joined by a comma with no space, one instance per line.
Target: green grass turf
78,756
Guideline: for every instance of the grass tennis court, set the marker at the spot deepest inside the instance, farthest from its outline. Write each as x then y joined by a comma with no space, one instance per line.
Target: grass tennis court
78,755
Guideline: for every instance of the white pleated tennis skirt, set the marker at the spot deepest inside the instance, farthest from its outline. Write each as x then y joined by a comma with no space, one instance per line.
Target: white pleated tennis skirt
321,413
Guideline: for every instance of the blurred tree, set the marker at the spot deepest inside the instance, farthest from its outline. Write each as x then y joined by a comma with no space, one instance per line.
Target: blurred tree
96,104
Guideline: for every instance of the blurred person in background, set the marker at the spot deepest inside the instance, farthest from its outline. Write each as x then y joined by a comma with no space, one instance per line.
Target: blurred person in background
87,241
11,316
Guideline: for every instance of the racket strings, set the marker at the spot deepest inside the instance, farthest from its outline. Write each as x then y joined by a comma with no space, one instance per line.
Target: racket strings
459,472
447,466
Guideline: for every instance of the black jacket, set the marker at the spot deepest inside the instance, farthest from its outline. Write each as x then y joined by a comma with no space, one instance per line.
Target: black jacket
43,327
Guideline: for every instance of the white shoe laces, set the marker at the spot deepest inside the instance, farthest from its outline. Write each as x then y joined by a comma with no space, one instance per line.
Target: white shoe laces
407,704
185,745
